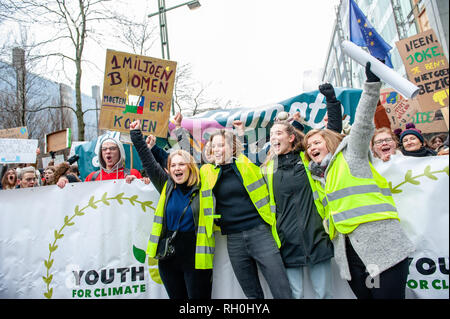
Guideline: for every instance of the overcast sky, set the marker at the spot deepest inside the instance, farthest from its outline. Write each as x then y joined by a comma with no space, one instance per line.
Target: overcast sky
253,52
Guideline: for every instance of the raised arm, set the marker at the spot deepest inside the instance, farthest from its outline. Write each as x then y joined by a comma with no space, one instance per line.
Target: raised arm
157,175
334,109
184,139
363,126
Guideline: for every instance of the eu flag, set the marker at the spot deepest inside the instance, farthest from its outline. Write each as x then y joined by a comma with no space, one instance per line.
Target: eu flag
363,34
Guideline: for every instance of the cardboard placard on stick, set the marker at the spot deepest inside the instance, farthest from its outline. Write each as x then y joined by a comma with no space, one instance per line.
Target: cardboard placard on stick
58,140
137,87
15,132
427,67
401,111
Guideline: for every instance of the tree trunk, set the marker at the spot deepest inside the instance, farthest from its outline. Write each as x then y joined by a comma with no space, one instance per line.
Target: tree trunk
79,105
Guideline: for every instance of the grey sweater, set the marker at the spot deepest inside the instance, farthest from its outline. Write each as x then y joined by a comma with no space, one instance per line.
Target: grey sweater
380,244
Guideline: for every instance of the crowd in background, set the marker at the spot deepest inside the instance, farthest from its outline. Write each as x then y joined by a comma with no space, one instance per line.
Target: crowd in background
384,143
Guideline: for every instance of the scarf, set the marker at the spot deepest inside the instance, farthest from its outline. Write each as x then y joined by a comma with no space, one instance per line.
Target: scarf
318,169
422,152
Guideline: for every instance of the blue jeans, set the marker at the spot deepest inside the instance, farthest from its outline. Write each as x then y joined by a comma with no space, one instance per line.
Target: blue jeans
321,280
257,247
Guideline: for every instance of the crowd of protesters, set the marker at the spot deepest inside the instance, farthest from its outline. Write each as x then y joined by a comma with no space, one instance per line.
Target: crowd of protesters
280,216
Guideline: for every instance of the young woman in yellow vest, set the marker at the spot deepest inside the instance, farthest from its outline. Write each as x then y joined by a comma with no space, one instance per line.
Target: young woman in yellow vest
304,243
234,196
370,246
177,211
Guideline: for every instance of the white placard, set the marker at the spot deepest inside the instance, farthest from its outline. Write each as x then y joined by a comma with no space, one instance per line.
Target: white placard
14,150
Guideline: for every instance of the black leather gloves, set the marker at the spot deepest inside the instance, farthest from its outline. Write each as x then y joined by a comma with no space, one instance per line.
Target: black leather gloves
370,76
328,90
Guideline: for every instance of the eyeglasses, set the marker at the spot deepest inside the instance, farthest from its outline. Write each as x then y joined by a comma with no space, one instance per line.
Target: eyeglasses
112,148
386,140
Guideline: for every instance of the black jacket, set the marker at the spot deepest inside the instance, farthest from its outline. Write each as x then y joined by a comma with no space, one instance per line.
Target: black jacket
299,225
158,177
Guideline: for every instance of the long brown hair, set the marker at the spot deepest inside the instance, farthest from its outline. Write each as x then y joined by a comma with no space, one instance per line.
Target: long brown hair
297,144
5,181
332,140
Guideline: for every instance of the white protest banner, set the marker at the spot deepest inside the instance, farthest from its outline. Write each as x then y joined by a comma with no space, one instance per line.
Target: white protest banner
15,150
88,240
420,187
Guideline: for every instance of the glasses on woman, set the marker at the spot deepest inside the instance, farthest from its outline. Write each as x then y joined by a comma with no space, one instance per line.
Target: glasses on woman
385,140
111,149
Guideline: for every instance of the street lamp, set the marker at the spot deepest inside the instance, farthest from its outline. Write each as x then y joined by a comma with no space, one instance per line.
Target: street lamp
163,26
192,5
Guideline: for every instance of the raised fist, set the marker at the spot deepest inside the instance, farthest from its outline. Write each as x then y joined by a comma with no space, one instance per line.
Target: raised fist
328,90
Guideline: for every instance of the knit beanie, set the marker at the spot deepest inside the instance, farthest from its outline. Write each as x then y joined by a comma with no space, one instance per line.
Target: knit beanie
411,129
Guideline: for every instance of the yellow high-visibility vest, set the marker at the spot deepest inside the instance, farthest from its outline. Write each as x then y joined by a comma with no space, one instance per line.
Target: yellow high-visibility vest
157,229
349,201
256,188
268,172
157,224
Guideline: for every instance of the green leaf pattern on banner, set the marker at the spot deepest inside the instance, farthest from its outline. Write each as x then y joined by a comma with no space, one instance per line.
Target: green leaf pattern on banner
139,254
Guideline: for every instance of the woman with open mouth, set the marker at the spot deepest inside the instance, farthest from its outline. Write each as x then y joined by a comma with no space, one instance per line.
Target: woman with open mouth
384,144
304,243
370,246
181,268
234,196
9,180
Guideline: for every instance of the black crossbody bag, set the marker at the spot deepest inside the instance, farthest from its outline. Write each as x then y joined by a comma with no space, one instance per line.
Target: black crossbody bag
166,249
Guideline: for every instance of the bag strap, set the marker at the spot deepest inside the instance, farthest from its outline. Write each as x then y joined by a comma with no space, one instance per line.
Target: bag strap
94,177
182,214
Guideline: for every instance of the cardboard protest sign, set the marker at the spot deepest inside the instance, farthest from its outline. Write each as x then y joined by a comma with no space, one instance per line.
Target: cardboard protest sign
137,87
13,150
401,111
15,132
427,67
58,140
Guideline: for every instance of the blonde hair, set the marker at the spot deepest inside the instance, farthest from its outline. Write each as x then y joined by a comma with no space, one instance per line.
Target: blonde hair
297,144
194,174
332,140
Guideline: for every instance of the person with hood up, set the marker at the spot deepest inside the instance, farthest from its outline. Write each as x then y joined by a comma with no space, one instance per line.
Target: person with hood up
112,162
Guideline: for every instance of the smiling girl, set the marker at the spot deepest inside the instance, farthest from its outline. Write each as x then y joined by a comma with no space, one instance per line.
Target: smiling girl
413,142
304,243
234,195
370,246
384,144
177,212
